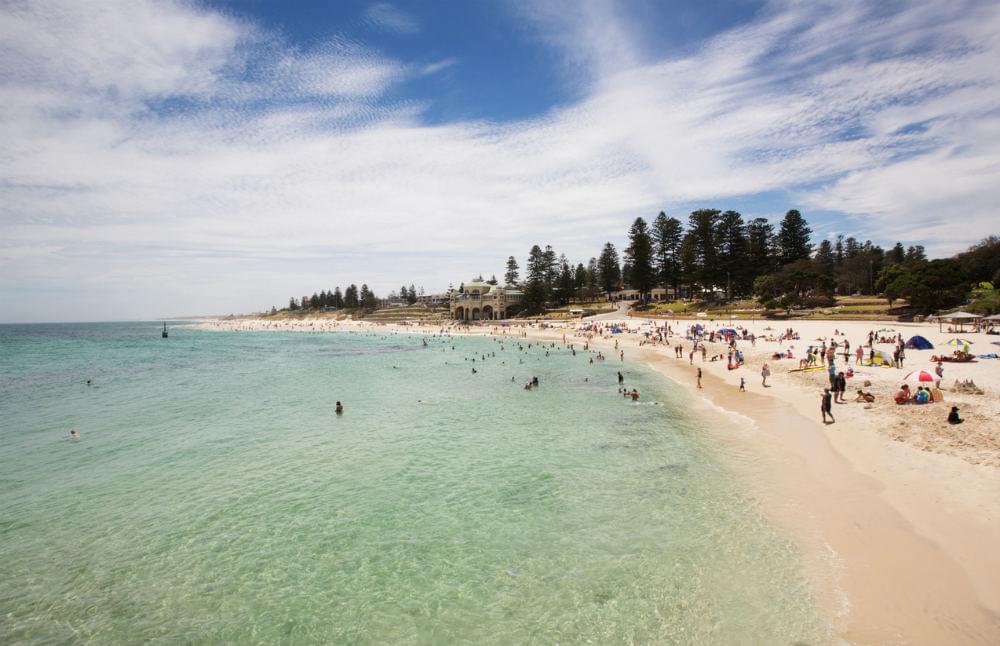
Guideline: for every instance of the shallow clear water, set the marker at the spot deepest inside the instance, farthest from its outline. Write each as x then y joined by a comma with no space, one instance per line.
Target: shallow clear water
215,497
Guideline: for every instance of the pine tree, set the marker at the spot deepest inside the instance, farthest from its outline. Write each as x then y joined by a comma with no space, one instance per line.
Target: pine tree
351,296
701,230
915,254
793,238
411,294
404,294
293,304
314,301
896,255
510,278
338,298
551,270
609,272
639,256
824,259
368,300
733,254
534,288
580,281
492,280
565,282
667,235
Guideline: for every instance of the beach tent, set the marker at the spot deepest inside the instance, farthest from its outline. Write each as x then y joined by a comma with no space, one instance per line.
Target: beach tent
882,358
918,342
616,330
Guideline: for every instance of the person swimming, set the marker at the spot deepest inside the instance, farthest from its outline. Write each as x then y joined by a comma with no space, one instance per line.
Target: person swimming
73,435
634,395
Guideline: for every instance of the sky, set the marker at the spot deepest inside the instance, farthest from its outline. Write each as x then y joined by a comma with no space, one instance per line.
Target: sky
162,158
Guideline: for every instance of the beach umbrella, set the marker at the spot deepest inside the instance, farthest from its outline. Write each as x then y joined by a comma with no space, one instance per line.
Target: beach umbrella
918,376
958,341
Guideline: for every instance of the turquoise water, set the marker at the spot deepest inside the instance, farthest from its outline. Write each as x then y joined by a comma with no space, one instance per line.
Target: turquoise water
214,497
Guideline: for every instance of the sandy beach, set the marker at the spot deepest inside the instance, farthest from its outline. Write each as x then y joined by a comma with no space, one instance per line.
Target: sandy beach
897,511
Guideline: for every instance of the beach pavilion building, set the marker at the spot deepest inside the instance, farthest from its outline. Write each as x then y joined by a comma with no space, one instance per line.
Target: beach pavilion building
479,301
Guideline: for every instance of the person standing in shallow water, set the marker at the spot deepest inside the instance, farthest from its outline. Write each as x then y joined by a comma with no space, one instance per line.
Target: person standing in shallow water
340,408
699,377
621,378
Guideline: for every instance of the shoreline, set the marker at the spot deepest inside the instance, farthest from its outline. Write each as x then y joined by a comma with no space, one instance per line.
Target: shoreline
899,543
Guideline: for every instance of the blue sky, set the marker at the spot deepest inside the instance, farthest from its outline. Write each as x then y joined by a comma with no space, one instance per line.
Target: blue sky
170,158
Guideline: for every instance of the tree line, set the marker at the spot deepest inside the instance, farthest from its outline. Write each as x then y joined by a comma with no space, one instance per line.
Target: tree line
350,298
721,256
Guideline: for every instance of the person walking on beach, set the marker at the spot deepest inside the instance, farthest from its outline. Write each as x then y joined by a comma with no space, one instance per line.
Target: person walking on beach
826,405
859,354
939,371
699,377
765,372
743,385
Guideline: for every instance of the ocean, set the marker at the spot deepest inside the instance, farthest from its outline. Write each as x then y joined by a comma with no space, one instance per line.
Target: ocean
215,497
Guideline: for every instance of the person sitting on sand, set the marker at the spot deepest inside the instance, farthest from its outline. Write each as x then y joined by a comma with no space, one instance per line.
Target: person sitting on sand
865,397
953,417
922,396
902,395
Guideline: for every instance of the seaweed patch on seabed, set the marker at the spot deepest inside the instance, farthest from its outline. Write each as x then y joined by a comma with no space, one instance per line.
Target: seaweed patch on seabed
635,444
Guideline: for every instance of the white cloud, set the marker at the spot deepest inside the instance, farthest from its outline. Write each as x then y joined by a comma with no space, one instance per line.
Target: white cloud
286,170
387,17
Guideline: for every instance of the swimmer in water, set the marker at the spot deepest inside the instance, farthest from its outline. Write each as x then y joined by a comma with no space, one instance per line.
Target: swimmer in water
634,395
340,408
73,435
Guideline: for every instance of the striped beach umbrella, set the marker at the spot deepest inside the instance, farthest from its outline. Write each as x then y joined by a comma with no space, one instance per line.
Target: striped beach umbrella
958,341
919,377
